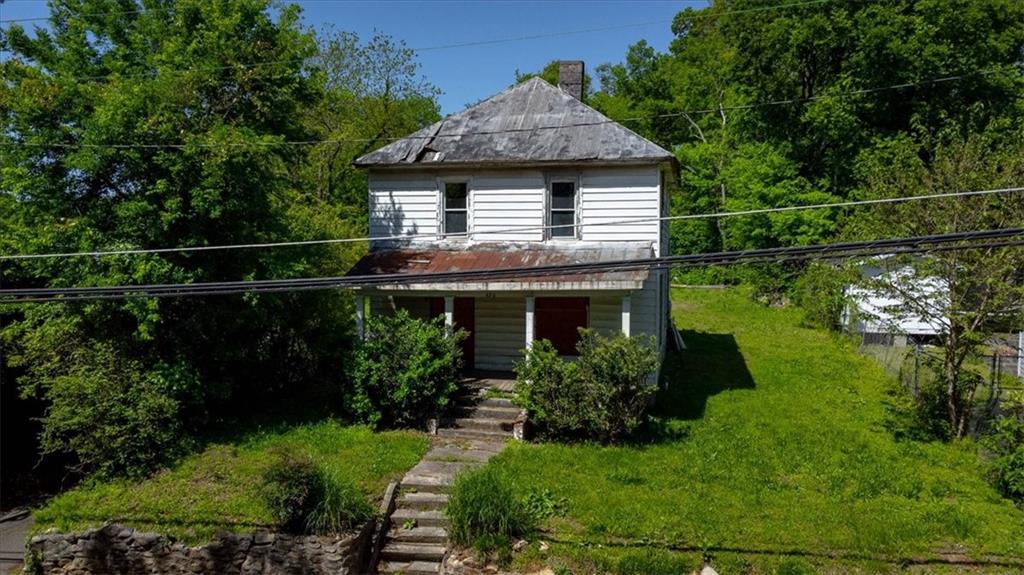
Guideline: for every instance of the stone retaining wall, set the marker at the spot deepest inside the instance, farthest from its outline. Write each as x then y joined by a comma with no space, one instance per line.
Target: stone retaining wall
117,550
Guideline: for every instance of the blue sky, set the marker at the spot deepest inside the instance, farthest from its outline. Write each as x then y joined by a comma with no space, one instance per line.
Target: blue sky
468,74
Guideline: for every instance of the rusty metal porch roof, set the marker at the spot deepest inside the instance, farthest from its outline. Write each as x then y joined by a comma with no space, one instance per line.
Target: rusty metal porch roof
488,256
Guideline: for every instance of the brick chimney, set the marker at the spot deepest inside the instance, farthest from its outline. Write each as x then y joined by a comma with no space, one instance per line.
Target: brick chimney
570,77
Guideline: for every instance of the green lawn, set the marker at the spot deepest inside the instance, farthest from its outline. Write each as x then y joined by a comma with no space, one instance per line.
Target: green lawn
772,456
218,489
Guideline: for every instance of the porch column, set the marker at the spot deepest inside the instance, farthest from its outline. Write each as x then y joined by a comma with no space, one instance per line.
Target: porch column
360,321
529,322
627,303
449,313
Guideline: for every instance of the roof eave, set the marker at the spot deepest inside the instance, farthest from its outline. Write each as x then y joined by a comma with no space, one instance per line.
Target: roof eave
653,161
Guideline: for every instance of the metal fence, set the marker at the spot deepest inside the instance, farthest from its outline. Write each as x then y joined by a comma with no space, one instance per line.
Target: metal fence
1000,374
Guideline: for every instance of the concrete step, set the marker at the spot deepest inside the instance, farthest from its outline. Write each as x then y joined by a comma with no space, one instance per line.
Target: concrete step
394,551
503,413
429,467
474,435
423,501
483,424
410,567
421,517
458,454
428,483
418,534
481,401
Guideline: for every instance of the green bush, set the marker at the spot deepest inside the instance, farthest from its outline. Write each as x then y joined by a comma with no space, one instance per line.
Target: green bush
483,507
819,293
405,371
1006,446
292,487
603,396
116,417
302,498
553,394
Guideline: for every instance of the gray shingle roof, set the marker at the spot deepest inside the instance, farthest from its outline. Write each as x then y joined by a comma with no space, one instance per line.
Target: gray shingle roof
532,122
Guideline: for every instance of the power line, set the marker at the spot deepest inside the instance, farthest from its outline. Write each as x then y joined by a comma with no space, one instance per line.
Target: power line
703,14
984,239
274,143
472,234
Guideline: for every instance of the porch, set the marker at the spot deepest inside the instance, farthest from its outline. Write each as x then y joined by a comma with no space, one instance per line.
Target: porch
502,325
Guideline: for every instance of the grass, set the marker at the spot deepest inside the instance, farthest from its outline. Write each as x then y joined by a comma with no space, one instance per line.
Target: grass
219,489
770,453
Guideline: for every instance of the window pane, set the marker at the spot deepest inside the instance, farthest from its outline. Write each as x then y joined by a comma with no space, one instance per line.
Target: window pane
455,222
563,195
561,218
455,195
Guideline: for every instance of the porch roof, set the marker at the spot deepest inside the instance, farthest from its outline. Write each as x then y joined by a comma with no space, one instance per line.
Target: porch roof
502,256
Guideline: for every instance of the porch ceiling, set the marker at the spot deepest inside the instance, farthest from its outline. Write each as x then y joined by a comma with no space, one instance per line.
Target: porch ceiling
501,256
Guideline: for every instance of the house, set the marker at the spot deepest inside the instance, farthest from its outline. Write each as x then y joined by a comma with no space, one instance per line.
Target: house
529,177
883,314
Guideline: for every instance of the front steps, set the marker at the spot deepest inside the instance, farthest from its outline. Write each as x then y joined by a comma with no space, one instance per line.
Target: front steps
479,428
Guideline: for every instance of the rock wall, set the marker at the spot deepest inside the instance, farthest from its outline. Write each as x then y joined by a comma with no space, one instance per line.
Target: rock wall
117,550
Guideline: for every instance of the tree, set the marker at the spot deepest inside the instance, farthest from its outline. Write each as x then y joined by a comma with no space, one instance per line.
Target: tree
703,98
968,292
214,91
372,93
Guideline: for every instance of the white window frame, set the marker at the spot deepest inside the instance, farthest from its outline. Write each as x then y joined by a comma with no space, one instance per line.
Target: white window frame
552,179
443,233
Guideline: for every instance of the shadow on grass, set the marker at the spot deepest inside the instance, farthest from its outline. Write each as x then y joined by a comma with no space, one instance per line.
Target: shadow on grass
711,364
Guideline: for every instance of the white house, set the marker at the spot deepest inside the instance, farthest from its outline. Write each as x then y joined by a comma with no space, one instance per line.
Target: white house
480,190
883,314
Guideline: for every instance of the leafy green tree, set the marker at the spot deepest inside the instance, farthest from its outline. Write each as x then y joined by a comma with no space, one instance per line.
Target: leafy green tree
169,124
970,293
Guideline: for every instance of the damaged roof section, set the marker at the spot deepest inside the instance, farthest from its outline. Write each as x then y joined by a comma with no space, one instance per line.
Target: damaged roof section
530,123
494,256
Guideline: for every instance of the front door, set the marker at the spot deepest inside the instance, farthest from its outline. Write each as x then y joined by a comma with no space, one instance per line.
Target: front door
558,319
464,316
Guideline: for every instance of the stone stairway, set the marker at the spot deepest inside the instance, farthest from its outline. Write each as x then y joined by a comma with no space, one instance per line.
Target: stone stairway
478,428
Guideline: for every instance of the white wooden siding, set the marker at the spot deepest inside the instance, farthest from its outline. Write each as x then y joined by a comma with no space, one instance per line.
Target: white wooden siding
645,309
504,200
612,194
408,203
500,331
606,313
403,204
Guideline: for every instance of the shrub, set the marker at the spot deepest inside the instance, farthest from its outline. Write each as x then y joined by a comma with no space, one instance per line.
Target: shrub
115,415
302,498
1006,446
405,371
819,293
292,487
553,393
617,369
484,507
602,396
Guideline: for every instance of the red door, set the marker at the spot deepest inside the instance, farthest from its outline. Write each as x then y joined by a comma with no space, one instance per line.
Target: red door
558,320
464,316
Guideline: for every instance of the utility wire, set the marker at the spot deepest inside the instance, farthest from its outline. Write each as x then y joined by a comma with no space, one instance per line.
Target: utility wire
476,233
275,143
982,239
468,44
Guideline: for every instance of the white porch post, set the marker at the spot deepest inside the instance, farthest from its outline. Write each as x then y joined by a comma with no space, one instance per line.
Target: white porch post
360,321
529,322
449,313
627,303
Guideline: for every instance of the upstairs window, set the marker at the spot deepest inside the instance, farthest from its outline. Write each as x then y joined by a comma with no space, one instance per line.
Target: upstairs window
455,208
562,209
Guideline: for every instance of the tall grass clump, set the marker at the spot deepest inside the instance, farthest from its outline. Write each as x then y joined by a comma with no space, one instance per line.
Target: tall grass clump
303,498
483,505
